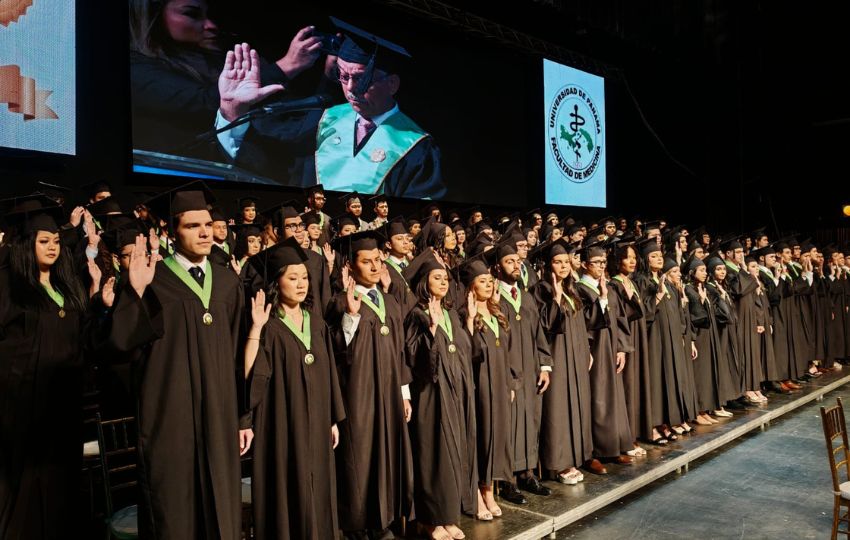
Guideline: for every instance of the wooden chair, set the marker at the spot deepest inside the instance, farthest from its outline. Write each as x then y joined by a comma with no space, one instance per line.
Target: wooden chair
117,441
834,428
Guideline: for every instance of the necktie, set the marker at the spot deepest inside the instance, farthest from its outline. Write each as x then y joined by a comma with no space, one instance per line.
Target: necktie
403,264
198,274
373,296
364,128
513,292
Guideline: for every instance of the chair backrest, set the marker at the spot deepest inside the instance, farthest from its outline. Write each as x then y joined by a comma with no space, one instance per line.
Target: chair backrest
834,428
118,460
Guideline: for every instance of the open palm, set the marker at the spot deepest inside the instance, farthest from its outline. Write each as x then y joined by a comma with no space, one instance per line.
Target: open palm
239,84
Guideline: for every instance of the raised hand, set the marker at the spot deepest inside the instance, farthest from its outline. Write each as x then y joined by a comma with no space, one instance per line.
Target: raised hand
471,311
386,281
76,216
153,241
558,286
96,275
328,252
259,310
496,291
703,294
107,295
142,267
435,311
239,83
304,50
352,297
603,286
345,274
91,230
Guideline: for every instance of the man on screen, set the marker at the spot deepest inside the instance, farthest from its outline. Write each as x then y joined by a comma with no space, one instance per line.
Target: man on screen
365,144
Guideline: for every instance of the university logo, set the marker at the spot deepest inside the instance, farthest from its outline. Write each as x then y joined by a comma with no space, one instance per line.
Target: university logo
575,133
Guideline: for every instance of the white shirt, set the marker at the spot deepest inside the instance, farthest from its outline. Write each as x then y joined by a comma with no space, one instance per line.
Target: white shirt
603,302
187,264
350,323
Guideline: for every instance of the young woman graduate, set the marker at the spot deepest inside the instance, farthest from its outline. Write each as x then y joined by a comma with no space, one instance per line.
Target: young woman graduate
566,441
636,376
438,352
296,403
42,314
712,353
729,380
495,383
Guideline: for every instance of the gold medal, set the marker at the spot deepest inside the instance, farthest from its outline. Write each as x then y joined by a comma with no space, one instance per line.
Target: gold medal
207,318
61,313
518,317
385,330
309,359
498,343
452,348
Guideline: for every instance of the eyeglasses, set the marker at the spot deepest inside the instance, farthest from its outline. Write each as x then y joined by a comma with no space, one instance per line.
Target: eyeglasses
346,78
294,227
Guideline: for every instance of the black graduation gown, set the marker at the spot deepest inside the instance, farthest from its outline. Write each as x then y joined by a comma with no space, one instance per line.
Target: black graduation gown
636,375
374,470
566,438
293,483
690,407
320,288
442,430
799,317
41,373
774,291
494,381
711,354
610,420
188,378
528,277
664,332
744,291
400,290
729,380
528,352
835,336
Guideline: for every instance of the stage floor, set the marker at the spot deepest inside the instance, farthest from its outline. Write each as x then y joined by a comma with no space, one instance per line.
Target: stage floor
544,517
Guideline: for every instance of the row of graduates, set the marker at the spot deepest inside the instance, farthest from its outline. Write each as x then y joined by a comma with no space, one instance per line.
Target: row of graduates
434,375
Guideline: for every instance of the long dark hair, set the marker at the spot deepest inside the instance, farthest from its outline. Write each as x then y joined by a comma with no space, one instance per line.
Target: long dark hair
149,37
274,295
423,296
26,290
569,284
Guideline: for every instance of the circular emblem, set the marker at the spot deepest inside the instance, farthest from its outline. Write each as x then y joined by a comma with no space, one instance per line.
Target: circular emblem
518,317
575,133
61,313
452,348
207,318
309,359
378,155
385,330
336,140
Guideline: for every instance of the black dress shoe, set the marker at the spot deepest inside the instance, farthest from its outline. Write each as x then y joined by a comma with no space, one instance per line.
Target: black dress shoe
735,405
533,485
510,493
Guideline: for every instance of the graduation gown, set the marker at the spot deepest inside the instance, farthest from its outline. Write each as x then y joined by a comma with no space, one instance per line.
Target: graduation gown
636,375
528,352
665,331
374,470
774,290
610,420
189,469
443,428
729,380
41,389
835,335
528,277
711,354
566,438
400,290
494,381
744,291
797,309
295,404
688,389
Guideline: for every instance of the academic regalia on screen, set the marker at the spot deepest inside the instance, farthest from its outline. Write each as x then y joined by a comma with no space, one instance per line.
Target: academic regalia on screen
189,383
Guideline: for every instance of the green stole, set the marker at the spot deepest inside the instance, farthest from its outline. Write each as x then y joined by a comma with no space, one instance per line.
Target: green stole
339,169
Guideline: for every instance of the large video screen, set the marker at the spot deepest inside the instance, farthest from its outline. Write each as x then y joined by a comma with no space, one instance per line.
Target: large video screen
574,108
454,115
38,75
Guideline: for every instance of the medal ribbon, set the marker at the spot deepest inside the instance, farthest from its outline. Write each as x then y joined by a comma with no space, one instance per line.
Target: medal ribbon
184,276
516,304
492,323
303,335
380,310
54,295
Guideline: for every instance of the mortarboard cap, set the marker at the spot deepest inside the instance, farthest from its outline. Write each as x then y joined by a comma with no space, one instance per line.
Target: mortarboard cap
367,49
269,262
188,197
34,213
